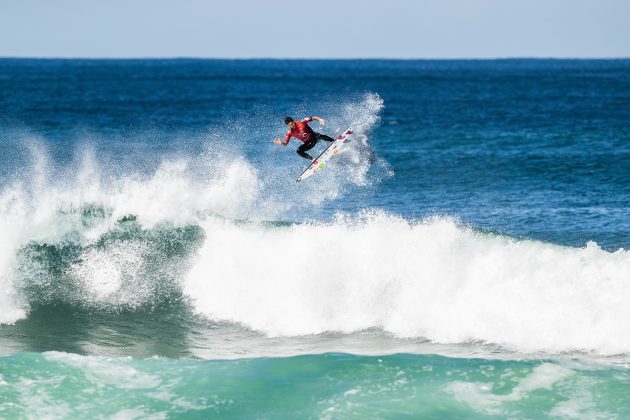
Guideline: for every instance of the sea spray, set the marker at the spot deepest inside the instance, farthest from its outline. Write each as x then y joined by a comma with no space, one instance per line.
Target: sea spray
56,218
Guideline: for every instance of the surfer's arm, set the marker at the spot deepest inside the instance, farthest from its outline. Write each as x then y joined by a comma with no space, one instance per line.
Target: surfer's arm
320,120
284,142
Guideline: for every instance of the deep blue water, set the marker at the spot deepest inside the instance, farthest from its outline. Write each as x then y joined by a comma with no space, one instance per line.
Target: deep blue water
533,148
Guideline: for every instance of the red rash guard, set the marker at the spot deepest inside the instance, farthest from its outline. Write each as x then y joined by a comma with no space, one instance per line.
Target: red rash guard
302,131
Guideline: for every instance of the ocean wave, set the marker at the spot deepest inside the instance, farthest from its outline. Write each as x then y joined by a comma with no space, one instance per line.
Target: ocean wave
433,279
90,230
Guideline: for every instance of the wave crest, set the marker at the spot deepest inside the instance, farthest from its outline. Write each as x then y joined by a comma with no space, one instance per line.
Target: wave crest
432,279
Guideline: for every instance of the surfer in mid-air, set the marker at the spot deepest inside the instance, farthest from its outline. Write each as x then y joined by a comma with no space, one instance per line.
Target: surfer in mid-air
301,131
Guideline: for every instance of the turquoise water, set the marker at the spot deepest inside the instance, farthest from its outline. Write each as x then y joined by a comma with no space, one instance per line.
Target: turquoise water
467,257
316,386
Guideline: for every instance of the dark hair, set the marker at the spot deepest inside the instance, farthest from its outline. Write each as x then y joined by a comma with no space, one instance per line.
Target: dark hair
287,120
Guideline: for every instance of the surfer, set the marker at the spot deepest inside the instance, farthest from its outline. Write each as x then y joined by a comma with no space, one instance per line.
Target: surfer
301,131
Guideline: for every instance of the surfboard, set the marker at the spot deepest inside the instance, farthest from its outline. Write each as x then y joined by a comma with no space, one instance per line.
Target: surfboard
332,149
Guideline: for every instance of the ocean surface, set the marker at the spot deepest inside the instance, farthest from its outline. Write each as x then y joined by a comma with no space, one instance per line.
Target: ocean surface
467,257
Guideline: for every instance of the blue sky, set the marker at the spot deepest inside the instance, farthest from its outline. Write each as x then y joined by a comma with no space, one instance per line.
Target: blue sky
315,29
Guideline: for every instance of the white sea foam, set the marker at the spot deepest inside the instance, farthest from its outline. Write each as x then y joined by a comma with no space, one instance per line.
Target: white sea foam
108,371
432,279
480,397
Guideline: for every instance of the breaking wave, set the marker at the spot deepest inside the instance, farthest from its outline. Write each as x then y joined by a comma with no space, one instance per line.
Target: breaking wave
210,231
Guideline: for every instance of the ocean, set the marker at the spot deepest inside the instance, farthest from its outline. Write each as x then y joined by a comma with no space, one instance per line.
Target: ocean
466,257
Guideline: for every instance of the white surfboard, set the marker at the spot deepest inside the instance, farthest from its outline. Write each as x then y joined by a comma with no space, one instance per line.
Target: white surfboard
332,149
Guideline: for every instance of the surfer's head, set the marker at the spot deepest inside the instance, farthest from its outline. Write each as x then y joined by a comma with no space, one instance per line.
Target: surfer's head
289,121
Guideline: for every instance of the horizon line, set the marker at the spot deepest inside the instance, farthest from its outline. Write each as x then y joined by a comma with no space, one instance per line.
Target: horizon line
506,58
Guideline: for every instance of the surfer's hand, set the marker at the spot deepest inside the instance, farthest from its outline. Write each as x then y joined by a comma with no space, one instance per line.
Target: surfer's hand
322,121
278,142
